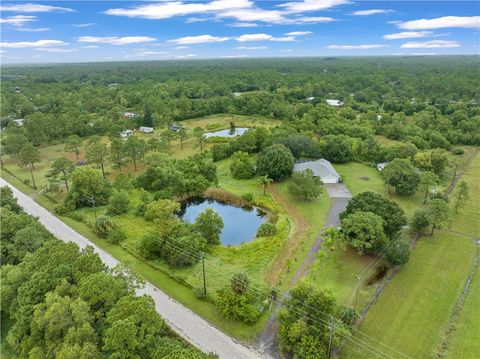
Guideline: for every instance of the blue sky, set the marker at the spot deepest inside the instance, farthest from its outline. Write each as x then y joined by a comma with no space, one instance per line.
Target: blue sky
78,31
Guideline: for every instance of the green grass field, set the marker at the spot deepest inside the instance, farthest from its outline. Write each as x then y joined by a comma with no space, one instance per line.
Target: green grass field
414,309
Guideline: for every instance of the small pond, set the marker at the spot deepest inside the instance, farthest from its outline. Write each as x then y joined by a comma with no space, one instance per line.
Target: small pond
226,133
240,224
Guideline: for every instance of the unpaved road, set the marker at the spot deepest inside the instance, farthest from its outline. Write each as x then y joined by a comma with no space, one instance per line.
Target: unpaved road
189,325
340,196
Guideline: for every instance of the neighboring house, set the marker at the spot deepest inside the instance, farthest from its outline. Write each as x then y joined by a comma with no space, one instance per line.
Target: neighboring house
310,98
336,103
18,90
379,117
236,94
381,166
175,127
146,129
19,122
129,115
321,168
126,134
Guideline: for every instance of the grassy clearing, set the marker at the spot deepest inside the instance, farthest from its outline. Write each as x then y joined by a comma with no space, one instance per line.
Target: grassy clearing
465,342
414,309
385,140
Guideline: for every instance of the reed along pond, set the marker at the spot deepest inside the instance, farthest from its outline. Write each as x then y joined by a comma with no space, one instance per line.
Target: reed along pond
239,224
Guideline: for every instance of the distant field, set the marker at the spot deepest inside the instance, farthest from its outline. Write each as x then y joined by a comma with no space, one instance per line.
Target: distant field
414,309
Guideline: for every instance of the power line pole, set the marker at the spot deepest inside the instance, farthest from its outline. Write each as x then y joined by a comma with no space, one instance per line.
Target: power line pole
204,278
94,208
356,290
330,340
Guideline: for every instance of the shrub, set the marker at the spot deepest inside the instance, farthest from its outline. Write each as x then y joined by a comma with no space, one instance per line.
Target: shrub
243,307
103,226
458,151
398,252
239,283
305,185
118,202
199,293
116,235
242,166
267,230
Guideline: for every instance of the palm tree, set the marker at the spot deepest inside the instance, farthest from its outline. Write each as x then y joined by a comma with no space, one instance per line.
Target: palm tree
265,181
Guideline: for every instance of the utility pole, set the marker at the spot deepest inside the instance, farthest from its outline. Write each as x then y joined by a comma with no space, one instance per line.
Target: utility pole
204,279
94,208
356,290
330,340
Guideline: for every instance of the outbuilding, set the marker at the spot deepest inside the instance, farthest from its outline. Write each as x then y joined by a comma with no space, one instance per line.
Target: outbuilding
321,168
381,166
335,103
146,129
19,122
126,134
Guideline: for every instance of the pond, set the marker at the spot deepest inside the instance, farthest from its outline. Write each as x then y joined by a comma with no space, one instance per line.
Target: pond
240,224
226,133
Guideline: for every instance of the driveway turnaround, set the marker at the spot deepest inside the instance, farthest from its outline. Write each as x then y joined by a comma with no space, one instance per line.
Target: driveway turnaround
189,325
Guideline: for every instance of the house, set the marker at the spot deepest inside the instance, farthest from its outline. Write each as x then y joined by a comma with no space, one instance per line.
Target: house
336,103
321,168
237,94
18,90
126,134
310,98
19,122
129,115
381,166
146,129
175,127
379,117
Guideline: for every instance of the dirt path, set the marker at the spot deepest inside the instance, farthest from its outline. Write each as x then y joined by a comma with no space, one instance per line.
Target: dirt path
299,229
340,197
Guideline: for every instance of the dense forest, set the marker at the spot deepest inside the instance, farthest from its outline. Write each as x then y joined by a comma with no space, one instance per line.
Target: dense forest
60,302
431,102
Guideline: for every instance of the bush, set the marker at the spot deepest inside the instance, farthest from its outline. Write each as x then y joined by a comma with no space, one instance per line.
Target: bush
398,252
118,202
116,235
199,293
239,283
267,230
243,307
220,151
103,226
305,185
242,166
458,151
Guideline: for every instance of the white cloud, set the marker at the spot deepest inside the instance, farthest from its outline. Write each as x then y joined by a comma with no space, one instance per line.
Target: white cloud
191,20
311,5
356,47
55,49
38,43
251,47
89,47
423,54
18,20
286,50
146,54
201,39
298,33
310,20
407,35
243,11
371,12
29,29
115,40
181,47
467,22
434,44
84,25
243,24
263,37
34,8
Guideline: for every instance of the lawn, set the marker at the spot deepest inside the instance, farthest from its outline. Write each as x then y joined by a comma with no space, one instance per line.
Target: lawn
465,341
414,309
